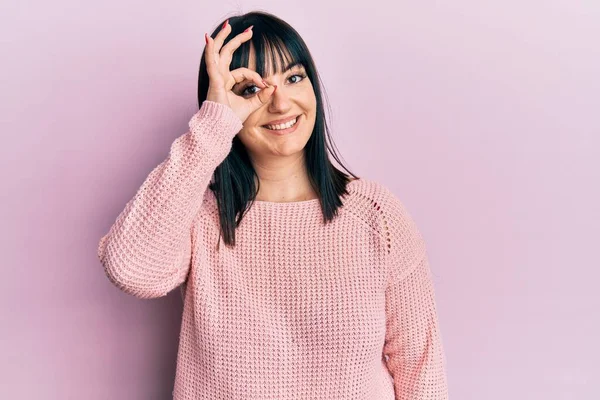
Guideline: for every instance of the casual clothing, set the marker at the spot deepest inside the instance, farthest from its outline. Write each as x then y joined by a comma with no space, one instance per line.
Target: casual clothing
298,309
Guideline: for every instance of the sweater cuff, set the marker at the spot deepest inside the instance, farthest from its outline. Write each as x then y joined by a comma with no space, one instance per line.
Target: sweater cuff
219,115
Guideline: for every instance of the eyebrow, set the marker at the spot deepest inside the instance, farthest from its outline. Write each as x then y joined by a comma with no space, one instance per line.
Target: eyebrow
292,65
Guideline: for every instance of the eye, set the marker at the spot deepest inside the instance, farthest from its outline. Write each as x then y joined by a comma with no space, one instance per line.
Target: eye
245,90
256,89
301,76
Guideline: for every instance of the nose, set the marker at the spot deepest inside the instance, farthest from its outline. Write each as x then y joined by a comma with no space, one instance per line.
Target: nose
280,101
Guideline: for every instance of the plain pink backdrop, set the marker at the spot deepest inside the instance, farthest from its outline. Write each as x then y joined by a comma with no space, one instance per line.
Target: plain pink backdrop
482,116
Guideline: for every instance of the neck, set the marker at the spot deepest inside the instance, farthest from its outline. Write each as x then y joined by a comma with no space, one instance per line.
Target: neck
284,181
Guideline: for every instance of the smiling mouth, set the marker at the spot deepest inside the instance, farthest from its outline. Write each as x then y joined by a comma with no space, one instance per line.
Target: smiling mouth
282,127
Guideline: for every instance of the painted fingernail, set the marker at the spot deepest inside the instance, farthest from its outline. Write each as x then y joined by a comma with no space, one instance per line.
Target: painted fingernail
206,37
225,24
248,28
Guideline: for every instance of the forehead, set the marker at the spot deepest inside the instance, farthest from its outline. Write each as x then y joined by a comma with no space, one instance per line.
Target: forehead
271,59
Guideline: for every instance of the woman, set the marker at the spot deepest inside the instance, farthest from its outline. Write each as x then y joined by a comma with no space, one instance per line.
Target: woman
321,288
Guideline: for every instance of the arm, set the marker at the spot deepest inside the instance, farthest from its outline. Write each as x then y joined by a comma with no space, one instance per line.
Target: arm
147,251
413,344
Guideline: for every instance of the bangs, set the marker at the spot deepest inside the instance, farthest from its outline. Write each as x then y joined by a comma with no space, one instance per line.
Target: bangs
276,54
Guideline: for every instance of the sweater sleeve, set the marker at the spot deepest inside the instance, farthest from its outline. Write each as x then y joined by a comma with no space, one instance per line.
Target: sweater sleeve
147,251
413,345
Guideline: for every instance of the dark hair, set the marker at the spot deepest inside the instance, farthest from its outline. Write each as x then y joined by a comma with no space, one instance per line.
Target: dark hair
234,179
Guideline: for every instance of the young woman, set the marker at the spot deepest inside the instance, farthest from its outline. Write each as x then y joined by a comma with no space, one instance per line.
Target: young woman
299,282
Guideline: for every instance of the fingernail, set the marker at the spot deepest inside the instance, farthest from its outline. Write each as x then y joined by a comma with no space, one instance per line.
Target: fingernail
265,83
206,37
248,28
225,23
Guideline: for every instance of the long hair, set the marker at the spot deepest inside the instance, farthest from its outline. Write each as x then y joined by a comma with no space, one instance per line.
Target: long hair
233,181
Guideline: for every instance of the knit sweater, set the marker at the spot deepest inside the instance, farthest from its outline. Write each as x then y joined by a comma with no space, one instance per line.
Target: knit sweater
298,309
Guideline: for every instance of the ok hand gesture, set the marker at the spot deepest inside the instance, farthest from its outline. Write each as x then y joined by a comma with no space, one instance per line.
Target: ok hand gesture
222,80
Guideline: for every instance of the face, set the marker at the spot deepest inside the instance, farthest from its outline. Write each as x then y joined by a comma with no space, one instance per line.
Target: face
262,134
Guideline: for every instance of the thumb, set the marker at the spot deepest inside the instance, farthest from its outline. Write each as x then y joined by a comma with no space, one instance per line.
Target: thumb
264,95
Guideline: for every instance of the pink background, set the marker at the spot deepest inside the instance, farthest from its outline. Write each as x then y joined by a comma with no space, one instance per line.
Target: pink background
483,117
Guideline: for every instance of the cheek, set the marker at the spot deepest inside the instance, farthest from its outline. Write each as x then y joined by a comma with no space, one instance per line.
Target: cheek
313,103
250,129
252,119
251,137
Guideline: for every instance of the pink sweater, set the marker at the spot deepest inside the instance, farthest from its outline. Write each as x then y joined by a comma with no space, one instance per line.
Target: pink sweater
298,309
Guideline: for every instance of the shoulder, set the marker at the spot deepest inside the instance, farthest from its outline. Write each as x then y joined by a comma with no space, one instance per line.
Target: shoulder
400,237
379,199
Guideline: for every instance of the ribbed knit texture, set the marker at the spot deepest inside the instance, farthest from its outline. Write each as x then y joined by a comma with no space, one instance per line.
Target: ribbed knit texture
298,309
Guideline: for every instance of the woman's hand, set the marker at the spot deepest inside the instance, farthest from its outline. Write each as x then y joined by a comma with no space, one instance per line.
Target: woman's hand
221,80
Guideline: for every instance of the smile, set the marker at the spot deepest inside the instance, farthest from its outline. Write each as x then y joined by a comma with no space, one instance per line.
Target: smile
281,129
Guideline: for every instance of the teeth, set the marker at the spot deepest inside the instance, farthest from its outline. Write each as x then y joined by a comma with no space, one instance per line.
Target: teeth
282,126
